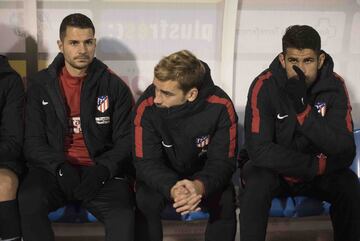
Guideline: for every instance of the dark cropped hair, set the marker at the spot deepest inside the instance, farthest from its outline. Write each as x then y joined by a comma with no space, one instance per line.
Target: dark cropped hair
182,67
301,37
77,20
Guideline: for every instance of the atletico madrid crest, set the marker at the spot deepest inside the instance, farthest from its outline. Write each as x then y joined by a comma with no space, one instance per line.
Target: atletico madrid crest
321,108
102,103
202,141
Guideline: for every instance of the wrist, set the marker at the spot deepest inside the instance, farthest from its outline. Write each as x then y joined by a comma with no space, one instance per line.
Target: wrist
199,187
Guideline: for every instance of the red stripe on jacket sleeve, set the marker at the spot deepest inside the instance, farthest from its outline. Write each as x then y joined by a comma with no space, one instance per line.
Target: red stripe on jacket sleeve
138,128
348,111
231,112
255,120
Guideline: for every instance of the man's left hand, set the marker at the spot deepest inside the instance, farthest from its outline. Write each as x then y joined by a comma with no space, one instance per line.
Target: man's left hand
189,203
92,180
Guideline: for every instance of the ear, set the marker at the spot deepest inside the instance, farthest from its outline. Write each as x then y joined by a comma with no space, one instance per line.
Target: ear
60,45
321,60
192,94
282,60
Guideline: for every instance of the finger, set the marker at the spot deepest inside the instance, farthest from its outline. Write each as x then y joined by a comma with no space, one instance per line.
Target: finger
194,206
187,198
194,199
180,203
181,197
187,208
187,203
192,209
299,72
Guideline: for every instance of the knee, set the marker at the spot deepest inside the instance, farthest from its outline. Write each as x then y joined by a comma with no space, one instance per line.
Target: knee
260,183
31,198
347,186
260,179
149,201
8,185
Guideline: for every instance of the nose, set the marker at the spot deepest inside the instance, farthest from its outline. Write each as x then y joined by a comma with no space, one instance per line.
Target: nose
302,67
158,98
82,48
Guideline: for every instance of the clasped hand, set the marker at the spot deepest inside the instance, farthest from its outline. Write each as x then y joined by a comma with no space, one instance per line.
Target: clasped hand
187,195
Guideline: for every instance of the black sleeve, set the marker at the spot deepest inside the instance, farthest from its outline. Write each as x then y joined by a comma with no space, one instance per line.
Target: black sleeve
37,150
119,156
264,152
332,134
149,160
221,155
11,126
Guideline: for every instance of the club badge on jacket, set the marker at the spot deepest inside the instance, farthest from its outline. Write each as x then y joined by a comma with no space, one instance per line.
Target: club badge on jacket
102,103
321,108
202,142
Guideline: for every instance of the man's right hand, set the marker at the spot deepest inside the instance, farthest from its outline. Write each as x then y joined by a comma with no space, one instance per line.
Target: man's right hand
185,196
296,89
68,178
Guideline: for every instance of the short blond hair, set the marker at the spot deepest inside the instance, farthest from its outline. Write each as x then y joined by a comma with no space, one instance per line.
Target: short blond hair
183,67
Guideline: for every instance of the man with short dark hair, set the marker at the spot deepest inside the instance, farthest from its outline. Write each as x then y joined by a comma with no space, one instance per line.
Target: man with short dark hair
185,148
299,138
11,141
77,139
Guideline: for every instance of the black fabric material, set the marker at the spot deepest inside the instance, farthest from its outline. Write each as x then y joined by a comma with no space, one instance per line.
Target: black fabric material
341,189
106,134
221,207
296,89
11,118
40,194
92,180
68,178
169,139
9,220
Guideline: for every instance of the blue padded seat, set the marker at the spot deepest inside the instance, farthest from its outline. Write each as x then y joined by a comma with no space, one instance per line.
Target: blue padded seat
169,213
73,213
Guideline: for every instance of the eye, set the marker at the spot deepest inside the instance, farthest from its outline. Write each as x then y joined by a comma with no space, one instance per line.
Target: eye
90,42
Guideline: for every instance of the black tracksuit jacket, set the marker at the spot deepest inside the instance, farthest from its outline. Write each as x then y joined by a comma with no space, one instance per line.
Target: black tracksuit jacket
196,140
276,140
11,117
46,119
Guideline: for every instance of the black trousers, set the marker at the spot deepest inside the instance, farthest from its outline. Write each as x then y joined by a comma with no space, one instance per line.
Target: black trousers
40,194
221,207
341,189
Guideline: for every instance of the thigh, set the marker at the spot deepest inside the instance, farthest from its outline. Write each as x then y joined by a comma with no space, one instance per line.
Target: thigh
221,204
39,188
148,199
329,187
116,194
261,181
